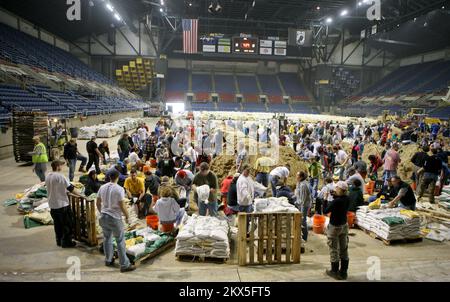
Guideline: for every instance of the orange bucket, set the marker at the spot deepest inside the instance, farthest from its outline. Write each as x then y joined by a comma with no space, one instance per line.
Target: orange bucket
370,187
152,221
350,219
319,224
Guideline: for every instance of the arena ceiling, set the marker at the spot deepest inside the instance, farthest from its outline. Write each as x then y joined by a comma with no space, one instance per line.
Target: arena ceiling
397,30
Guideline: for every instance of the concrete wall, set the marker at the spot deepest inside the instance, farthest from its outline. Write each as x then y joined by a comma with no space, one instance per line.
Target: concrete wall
6,148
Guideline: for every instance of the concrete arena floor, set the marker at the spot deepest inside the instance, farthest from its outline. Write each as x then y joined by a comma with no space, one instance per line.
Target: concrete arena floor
31,255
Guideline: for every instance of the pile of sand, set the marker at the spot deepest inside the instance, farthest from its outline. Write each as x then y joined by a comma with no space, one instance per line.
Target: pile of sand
224,165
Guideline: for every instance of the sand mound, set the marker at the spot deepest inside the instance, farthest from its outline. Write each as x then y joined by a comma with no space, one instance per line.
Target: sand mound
224,165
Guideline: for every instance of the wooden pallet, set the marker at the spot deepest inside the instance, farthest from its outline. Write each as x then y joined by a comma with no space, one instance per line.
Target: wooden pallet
155,253
84,220
392,242
274,230
191,258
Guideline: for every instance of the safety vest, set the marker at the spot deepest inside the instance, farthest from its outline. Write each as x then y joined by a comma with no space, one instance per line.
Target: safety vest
40,154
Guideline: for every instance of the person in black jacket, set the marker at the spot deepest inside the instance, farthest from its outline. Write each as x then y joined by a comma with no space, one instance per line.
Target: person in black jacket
432,169
355,195
337,232
92,184
166,166
418,160
404,195
104,149
94,155
71,155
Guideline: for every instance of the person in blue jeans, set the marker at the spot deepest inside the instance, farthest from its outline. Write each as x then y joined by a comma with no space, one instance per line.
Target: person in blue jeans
303,200
71,155
110,203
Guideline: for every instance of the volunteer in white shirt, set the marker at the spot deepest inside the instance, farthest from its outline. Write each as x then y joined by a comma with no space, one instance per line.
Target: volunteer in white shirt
58,201
111,205
343,161
245,190
276,174
192,155
142,133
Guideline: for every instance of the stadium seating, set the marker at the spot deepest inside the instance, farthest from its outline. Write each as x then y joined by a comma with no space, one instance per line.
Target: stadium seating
20,48
224,84
56,103
269,85
250,86
292,86
412,79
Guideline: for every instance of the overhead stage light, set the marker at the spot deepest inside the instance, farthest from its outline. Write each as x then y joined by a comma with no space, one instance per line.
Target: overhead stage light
344,12
109,7
118,17
329,20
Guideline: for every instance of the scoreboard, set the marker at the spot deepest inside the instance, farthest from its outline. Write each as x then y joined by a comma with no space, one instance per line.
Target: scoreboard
270,46
245,45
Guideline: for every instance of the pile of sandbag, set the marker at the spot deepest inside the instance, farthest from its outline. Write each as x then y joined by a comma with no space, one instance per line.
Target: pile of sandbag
274,205
144,241
444,198
33,204
389,224
204,236
109,129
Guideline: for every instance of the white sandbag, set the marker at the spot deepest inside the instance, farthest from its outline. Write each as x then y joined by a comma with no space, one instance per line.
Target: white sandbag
203,193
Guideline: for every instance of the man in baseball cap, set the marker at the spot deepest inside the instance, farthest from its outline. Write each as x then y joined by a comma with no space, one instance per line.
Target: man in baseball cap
337,232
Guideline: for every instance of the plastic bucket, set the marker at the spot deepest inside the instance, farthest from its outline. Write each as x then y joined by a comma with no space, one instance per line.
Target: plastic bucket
152,221
319,224
350,219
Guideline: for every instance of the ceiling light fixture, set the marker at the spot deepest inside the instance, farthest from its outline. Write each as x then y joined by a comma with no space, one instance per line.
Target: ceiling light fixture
109,7
344,12
329,20
118,17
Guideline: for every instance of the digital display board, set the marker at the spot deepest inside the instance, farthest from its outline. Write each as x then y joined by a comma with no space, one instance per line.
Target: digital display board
245,45
224,45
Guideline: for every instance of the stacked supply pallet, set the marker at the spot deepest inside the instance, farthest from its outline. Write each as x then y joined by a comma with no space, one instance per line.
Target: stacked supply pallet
26,125
389,224
204,237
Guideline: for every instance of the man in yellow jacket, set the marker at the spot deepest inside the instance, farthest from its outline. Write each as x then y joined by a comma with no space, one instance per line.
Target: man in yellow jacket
39,158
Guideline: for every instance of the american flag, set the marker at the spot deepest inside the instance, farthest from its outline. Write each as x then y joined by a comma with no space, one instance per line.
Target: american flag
190,29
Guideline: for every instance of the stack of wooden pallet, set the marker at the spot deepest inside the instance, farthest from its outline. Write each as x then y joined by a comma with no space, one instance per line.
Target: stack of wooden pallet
26,125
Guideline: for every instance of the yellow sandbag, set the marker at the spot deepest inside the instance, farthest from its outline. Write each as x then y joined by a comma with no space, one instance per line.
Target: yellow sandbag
409,213
375,204
19,195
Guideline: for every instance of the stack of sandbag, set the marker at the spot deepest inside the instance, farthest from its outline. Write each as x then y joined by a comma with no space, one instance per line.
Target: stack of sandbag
444,198
389,224
274,205
87,132
109,129
144,241
204,236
